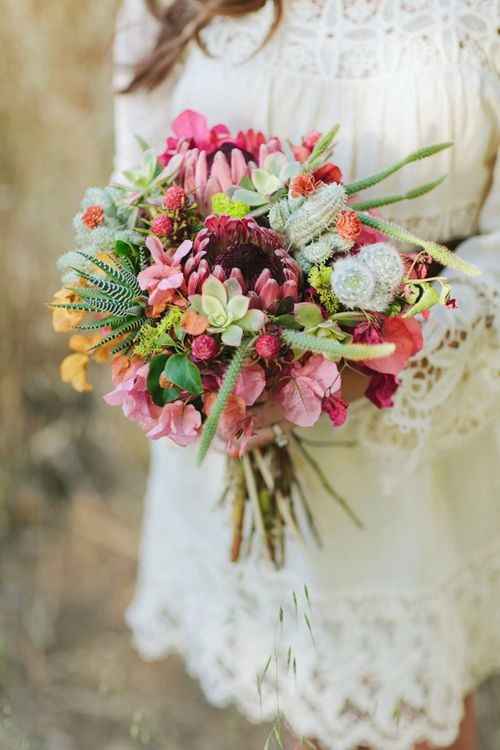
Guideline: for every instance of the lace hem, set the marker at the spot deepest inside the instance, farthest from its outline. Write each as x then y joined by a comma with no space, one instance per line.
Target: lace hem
385,671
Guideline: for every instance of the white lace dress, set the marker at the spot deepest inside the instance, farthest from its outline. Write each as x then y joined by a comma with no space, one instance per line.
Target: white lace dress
405,614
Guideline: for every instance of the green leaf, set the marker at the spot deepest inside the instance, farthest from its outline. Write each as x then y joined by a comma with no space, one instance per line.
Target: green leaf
232,336
153,382
323,146
308,314
428,299
166,340
142,143
185,374
287,321
250,197
265,182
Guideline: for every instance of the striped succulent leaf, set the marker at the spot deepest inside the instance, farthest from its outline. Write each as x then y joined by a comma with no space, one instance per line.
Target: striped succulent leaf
111,321
126,344
117,274
110,289
128,326
100,304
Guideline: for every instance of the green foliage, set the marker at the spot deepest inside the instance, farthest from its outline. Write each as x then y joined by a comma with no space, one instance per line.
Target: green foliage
160,395
182,372
228,386
116,293
388,200
319,278
154,339
422,153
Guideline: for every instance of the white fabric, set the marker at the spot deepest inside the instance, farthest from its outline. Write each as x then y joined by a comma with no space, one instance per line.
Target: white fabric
405,613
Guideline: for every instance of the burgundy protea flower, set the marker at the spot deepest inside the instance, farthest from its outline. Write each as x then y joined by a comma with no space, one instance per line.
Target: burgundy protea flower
241,249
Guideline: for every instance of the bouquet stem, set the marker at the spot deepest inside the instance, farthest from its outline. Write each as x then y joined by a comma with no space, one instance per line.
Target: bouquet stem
264,489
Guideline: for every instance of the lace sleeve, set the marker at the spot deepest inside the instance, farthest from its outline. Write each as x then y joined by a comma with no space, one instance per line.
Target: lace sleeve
452,388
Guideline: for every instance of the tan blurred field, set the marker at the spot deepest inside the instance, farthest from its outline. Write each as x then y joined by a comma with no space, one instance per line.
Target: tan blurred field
70,495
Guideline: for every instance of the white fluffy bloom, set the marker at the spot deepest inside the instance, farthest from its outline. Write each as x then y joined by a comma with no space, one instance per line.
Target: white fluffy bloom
353,282
385,262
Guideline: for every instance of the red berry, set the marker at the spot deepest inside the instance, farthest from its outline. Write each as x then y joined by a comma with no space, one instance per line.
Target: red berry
93,217
162,226
267,346
204,347
175,198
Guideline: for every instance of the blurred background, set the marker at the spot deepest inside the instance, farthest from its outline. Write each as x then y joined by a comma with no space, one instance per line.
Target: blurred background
70,497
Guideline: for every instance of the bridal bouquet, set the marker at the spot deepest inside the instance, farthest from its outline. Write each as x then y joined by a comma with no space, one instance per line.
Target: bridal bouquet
236,270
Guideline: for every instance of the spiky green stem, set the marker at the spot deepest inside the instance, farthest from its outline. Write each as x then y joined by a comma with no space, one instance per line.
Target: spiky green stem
388,200
440,253
423,153
331,348
228,385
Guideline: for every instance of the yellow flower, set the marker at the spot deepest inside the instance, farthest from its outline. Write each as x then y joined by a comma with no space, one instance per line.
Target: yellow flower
74,371
66,320
82,344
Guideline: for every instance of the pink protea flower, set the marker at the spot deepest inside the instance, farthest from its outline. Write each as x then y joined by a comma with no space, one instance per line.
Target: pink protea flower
253,255
162,226
177,421
175,198
165,277
204,347
267,346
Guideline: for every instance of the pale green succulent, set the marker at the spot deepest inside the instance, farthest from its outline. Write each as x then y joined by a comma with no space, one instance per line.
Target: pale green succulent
267,180
226,308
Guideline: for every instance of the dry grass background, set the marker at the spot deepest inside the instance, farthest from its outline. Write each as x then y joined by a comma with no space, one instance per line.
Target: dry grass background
69,494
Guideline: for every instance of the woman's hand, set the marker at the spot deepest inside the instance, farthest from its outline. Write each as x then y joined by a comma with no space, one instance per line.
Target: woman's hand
354,385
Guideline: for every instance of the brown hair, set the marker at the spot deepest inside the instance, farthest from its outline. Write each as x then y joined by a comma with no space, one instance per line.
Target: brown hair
181,22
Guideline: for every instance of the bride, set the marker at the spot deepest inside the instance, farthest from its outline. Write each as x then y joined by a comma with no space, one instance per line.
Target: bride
379,638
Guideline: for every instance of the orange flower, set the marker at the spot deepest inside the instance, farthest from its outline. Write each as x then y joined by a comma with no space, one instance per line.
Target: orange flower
194,323
64,321
74,371
303,184
82,344
348,225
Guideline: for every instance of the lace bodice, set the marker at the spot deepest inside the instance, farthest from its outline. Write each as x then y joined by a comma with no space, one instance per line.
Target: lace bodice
353,39
405,615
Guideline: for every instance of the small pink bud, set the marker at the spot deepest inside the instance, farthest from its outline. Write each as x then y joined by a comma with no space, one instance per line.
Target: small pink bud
162,226
175,198
267,346
204,347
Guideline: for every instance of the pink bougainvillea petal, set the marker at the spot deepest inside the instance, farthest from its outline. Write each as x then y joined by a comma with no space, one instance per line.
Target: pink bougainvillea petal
250,384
